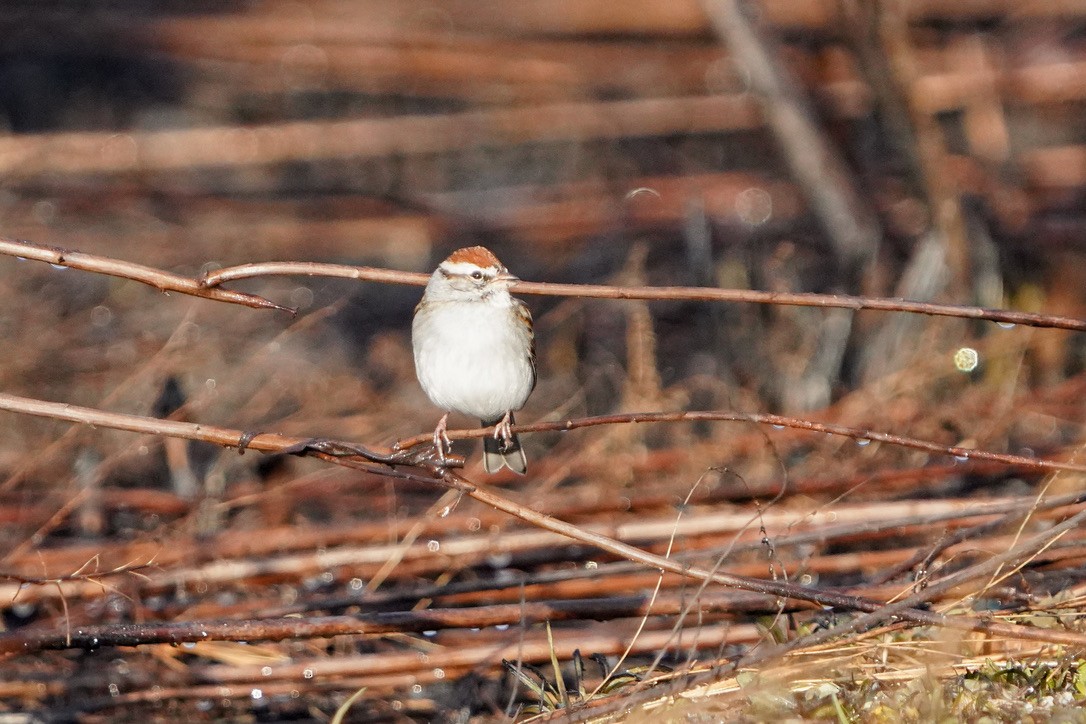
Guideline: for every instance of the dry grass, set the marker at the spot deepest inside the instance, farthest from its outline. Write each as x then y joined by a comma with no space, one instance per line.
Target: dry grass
415,128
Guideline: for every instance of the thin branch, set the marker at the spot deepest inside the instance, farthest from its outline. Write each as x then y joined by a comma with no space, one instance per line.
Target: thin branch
274,629
381,622
784,590
343,453
411,452
79,575
761,418
216,277
208,287
162,280
700,294
348,454
866,520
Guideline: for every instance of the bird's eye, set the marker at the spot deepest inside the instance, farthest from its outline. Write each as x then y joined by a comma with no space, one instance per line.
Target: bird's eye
476,275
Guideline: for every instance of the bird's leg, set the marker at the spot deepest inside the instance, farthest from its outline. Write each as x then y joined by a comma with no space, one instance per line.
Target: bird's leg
503,431
441,440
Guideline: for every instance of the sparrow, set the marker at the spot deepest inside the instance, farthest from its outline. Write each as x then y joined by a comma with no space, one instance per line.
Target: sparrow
475,351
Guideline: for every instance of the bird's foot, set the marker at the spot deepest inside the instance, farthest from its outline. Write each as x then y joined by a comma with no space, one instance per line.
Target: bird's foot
442,443
503,431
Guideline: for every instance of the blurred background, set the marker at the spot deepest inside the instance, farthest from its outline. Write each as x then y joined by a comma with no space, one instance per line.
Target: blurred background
927,149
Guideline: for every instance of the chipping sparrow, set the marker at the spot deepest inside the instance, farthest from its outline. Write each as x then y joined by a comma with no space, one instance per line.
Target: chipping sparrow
475,350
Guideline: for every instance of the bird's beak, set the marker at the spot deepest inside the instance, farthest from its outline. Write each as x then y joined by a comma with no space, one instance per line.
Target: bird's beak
507,278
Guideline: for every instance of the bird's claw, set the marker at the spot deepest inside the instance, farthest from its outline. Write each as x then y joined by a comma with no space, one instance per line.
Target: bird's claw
441,438
503,431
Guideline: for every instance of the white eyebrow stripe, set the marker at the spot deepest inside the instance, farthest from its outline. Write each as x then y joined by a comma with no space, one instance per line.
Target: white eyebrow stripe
465,268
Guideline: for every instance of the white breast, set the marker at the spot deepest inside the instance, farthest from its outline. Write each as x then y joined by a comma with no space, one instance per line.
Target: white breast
470,359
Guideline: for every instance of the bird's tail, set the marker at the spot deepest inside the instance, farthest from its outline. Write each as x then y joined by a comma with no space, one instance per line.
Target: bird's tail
497,452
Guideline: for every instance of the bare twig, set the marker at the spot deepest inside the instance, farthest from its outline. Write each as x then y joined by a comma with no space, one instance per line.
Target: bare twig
762,418
207,287
305,268
702,294
277,629
79,575
343,453
348,454
387,622
161,280
406,454
290,553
